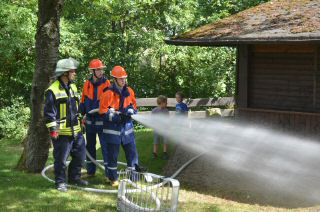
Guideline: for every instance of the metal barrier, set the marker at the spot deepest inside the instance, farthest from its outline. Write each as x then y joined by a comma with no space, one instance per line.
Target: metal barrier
147,192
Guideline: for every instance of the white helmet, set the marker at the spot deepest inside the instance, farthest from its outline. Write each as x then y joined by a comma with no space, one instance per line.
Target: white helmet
65,65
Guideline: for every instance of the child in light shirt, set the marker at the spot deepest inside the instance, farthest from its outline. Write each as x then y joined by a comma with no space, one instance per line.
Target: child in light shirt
163,110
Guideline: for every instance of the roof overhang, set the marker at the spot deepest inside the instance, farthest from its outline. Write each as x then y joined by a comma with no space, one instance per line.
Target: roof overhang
235,42
273,22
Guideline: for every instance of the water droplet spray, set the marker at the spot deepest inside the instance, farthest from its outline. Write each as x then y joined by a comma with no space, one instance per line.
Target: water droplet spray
277,162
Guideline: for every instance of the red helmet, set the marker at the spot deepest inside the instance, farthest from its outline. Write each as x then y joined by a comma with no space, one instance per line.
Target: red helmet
95,64
119,72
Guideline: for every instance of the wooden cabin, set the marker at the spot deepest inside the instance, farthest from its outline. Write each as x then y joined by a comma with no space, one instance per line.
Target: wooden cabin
278,62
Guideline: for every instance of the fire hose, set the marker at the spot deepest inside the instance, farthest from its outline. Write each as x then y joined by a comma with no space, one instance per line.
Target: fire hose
147,177
114,191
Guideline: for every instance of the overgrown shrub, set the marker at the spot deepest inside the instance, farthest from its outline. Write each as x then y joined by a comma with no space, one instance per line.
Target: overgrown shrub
14,120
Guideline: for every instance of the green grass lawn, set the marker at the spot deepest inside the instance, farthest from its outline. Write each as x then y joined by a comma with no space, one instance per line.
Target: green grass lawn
20,191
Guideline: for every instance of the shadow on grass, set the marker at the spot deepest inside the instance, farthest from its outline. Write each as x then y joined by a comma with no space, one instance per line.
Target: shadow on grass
20,191
25,191
231,192
196,206
144,142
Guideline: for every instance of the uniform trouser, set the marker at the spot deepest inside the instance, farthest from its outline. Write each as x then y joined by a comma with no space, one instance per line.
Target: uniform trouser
62,148
131,154
91,148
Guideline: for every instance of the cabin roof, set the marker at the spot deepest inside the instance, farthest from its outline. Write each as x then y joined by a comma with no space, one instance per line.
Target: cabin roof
275,21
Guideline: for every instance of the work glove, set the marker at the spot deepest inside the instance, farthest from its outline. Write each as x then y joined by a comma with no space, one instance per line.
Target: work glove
112,116
54,135
112,110
130,112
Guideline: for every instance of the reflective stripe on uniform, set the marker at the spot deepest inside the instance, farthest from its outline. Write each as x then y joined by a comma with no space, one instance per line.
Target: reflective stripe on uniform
63,110
62,121
76,93
110,116
61,95
51,124
128,131
131,168
98,123
113,132
112,168
68,131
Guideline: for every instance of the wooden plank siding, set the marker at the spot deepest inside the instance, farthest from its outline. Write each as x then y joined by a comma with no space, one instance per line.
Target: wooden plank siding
283,88
299,123
317,81
282,77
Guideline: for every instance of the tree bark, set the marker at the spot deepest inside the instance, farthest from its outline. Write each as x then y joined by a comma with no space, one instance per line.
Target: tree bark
37,142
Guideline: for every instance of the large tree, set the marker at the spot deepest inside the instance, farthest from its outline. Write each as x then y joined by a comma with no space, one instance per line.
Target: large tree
37,142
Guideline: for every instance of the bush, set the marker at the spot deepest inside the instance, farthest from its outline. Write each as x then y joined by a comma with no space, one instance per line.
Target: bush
138,126
14,120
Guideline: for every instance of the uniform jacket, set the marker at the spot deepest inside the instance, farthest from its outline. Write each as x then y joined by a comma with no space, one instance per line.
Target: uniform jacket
61,108
117,130
90,100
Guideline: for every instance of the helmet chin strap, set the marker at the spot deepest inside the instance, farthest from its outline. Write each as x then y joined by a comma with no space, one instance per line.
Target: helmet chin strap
94,74
115,80
69,80
117,84
65,75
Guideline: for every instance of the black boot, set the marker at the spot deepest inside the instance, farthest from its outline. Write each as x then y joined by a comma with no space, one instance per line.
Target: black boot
165,156
61,187
140,168
79,182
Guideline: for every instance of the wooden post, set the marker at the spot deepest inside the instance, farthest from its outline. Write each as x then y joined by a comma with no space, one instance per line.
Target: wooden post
316,78
315,65
242,76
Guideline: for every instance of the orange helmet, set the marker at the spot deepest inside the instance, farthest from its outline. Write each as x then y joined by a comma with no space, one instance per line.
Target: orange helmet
118,72
95,64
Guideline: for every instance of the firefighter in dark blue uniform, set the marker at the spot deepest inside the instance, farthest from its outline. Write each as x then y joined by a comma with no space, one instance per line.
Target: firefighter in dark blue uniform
92,90
62,120
117,104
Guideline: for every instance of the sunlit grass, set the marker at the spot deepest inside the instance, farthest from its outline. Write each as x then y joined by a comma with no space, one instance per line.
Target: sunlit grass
20,191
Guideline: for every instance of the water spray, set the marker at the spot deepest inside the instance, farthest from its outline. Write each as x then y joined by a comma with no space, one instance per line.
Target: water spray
274,162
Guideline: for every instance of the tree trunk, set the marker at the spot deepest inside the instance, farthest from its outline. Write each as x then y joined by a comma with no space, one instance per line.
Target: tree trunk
37,142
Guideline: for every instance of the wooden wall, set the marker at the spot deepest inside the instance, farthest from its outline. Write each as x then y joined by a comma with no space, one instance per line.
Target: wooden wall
299,123
279,86
317,81
281,77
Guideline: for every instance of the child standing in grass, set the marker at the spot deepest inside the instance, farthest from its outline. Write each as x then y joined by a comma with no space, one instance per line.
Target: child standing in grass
163,110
